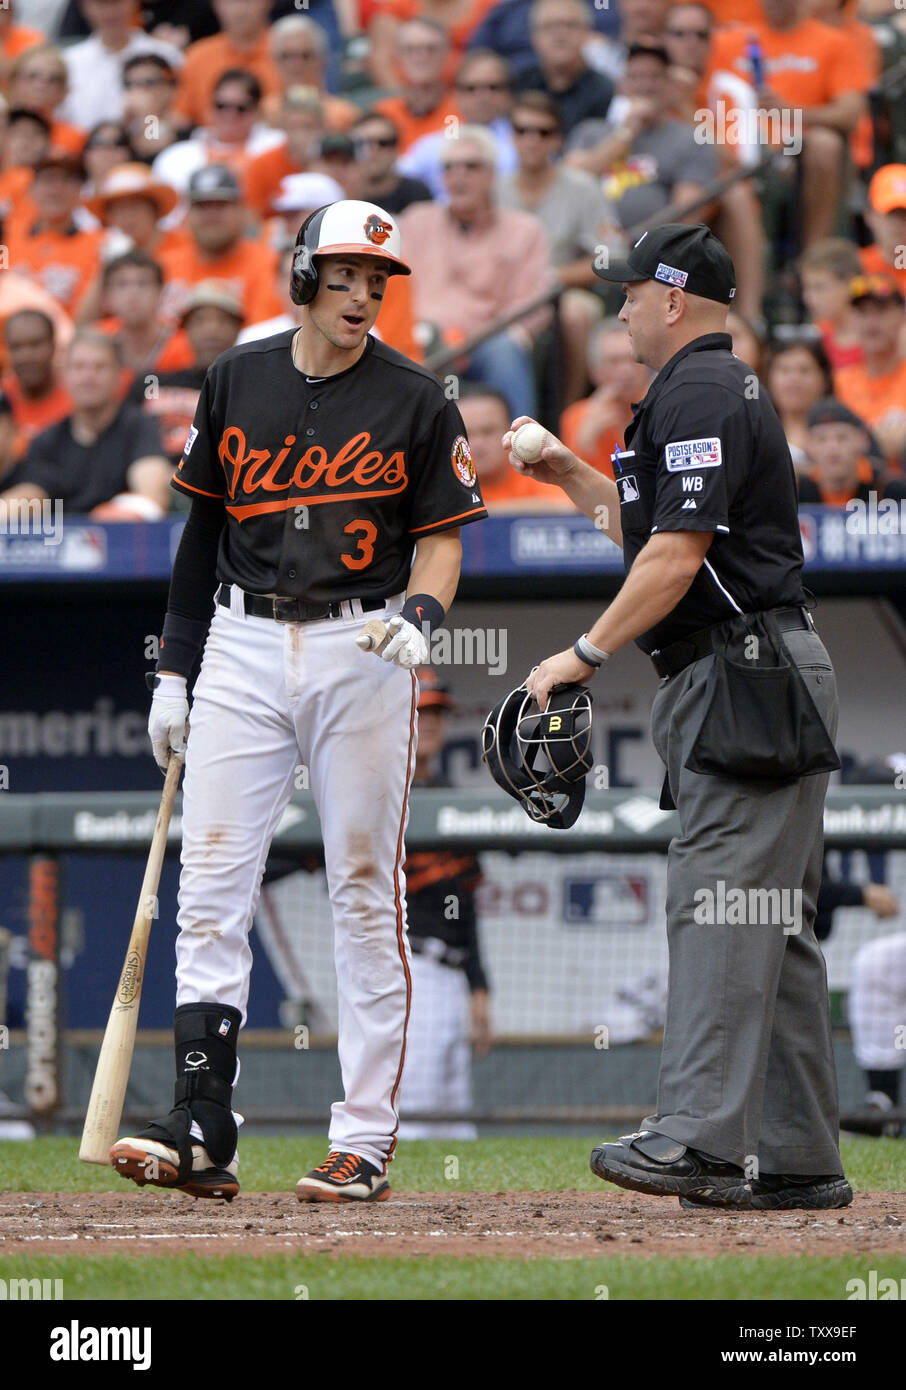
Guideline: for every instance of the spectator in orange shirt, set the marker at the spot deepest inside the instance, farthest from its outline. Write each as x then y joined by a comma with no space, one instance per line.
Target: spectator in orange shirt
810,69
52,250
826,272
37,82
381,20
218,250
842,471
301,119
876,389
593,427
149,105
486,416
132,295
133,201
26,141
36,394
425,103
885,217
242,43
211,321
299,51
234,135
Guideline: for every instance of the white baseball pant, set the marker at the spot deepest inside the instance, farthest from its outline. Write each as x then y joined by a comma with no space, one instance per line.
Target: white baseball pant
285,705
438,1073
877,1003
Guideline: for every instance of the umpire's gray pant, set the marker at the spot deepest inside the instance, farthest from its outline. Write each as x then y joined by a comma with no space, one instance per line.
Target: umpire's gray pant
747,1069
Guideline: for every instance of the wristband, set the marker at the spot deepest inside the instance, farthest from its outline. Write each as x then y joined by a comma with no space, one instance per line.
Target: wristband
180,642
421,609
590,654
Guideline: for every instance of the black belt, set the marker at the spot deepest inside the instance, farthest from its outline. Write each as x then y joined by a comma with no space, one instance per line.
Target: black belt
671,659
294,610
433,946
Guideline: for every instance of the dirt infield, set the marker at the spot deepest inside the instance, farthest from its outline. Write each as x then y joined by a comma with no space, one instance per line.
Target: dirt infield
517,1224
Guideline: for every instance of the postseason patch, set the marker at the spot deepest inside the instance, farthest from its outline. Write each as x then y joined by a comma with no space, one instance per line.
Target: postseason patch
463,463
190,440
693,453
670,275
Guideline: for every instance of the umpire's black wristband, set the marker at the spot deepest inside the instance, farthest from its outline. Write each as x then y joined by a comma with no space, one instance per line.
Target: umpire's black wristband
422,608
180,643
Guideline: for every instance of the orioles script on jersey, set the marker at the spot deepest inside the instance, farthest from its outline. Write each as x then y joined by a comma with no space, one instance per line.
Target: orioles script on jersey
353,472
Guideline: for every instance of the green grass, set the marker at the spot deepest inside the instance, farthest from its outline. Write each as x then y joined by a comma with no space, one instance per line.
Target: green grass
353,1278
514,1163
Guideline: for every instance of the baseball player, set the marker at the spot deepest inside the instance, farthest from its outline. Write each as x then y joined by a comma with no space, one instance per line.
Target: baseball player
450,1010
704,506
318,459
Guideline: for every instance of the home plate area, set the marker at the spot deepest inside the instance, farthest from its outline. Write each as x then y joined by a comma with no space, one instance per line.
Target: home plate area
519,1224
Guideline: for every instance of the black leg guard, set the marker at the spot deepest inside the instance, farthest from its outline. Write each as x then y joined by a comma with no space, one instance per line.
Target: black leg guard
206,1037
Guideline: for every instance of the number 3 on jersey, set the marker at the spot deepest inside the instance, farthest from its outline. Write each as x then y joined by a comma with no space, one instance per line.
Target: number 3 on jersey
366,533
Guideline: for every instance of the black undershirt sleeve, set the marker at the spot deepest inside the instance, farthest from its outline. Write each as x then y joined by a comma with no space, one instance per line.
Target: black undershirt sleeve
192,585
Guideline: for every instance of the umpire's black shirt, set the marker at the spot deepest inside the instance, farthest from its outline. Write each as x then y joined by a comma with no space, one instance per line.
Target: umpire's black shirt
705,451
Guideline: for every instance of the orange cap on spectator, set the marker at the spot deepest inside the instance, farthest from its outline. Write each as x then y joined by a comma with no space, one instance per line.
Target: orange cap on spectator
877,286
887,190
432,693
130,181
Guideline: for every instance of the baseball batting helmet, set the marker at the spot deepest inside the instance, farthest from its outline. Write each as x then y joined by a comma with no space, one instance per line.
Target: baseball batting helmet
542,759
350,225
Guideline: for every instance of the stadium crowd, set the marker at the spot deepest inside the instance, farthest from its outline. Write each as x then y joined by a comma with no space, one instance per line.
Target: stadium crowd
157,159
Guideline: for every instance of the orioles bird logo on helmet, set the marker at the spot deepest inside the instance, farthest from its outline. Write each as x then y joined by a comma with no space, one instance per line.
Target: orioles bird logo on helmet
376,229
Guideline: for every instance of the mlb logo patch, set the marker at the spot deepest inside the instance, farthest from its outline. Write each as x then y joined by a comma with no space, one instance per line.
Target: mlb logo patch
693,453
224,1027
629,488
190,440
670,275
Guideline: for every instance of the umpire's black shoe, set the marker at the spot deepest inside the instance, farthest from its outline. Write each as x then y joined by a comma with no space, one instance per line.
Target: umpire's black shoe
651,1162
781,1192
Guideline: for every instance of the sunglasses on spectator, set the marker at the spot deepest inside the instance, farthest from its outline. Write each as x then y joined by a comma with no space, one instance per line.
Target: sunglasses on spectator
544,131
131,83
482,87
385,142
470,164
241,108
702,34
309,54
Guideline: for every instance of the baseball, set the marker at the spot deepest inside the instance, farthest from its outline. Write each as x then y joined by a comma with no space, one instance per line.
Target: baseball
529,440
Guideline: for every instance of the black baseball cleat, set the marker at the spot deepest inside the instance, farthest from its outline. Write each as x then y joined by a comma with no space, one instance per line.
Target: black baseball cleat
782,1192
148,1162
343,1177
651,1162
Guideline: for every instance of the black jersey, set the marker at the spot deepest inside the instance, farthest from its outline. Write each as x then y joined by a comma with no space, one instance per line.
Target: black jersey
327,482
705,451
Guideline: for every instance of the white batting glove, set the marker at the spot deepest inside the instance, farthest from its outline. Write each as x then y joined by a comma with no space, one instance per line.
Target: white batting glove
407,646
168,719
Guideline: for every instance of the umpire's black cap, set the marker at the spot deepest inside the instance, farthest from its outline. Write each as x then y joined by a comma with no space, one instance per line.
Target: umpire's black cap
689,257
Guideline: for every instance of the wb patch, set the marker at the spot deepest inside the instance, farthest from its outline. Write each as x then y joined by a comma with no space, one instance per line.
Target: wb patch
629,488
693,453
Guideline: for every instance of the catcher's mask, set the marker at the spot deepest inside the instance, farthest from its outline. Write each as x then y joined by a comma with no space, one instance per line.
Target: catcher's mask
351,225
542,759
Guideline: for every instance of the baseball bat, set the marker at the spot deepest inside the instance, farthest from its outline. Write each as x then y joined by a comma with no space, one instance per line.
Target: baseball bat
374,636
108,1091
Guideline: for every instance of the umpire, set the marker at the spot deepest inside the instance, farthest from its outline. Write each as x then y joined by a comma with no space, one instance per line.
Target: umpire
704,506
